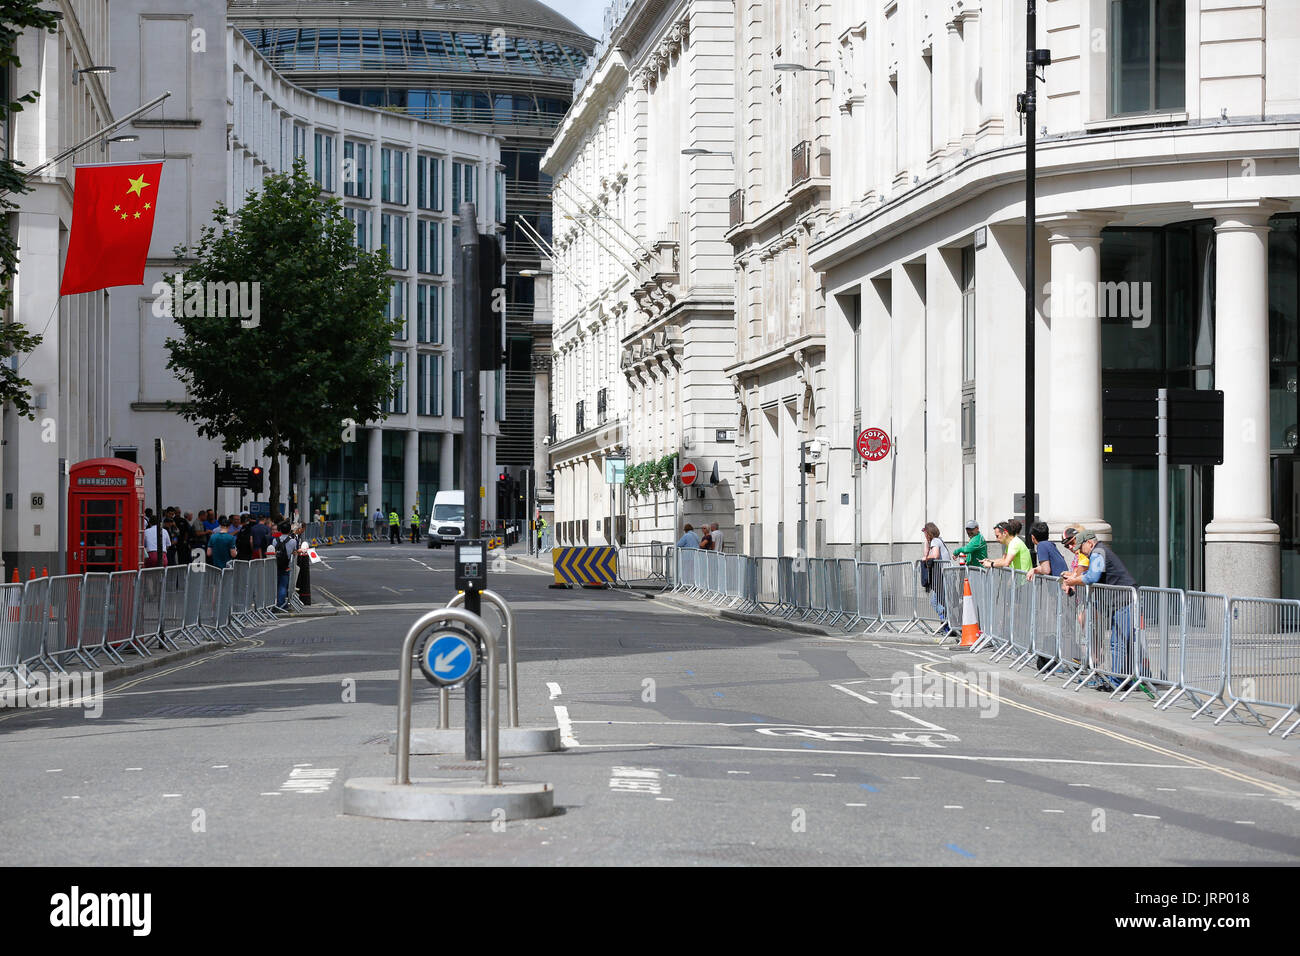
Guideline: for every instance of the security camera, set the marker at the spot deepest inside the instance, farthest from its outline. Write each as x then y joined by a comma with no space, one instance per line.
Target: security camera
546,440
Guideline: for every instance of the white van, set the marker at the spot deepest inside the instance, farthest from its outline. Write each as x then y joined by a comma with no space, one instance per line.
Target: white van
447,522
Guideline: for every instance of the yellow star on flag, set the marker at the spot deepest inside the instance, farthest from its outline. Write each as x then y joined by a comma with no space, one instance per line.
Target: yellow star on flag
117,209
148,205
123,215
137,215
136,186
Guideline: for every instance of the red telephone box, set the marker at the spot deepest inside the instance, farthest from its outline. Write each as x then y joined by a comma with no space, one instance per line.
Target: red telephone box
105,516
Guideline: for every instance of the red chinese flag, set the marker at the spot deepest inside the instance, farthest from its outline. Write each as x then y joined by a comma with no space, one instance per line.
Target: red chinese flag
112,226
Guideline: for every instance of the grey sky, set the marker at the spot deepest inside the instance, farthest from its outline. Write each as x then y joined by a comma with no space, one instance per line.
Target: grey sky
588,14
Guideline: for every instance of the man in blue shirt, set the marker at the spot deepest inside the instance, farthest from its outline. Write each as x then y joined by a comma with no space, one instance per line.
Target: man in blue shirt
221,545
261,537
1107,569
689,538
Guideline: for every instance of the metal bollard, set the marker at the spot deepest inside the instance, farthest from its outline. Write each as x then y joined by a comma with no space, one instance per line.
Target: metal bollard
508,616
484,634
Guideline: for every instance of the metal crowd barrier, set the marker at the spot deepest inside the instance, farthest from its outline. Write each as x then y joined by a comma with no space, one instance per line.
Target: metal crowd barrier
642,565
1261,668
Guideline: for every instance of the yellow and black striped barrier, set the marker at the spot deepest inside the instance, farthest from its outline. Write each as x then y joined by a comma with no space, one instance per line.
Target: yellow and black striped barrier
589,567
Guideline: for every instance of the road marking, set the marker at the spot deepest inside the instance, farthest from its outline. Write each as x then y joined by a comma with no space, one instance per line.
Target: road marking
1168,789
995,781
135,768
853,693
917,720
221,766
274,793
956,849
665,799
387,588
855,804
566,727
927,657
72,798
745,772
1081,785
1053,811
1146,816
171,794
307,779
55,770
636,780
1189,761
867,787
951,806
1245,823
554,688
348,608
823,775
909,778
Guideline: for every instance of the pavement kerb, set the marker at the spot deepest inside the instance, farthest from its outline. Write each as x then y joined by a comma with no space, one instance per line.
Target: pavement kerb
1177,730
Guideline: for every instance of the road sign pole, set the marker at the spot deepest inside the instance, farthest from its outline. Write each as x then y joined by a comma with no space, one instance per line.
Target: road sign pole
472,463
1162,478
803,499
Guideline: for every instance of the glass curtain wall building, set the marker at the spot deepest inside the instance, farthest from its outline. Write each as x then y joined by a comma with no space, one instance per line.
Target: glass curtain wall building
501,66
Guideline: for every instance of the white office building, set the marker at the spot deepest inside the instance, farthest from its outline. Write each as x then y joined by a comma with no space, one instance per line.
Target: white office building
1166,227
643,322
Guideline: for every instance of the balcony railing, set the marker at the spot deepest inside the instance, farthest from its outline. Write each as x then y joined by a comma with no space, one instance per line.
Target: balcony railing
579,418
737,208
800,163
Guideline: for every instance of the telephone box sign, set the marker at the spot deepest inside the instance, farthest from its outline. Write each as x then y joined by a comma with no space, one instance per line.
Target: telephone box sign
873,444
105,516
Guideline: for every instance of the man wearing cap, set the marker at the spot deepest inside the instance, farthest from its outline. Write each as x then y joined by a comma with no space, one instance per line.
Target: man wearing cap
1105,568
974,550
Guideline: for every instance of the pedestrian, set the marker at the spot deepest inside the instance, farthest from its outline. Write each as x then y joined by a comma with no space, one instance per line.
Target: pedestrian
210,523
394,527
706,538
303,582
244,540
286,549
261,537
1047,559
936,554
976,549
1105,567
155,558
221,544
377,525
717,537
689,538
1016,554
541,532
415,524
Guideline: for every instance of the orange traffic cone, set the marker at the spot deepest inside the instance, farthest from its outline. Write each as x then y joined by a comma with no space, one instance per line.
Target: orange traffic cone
970,628
17,579
45,572
31,573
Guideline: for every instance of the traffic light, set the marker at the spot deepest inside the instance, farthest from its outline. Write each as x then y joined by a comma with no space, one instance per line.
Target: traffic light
550,481
255,482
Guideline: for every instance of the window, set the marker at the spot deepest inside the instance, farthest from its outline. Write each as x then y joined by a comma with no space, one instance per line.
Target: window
397,404
464,178
324,156
429,314
356,170
392,236
458,393
299,142
394,176
360,218
1148,61
395,308
429,173
500,403
501,197
424,384
428,247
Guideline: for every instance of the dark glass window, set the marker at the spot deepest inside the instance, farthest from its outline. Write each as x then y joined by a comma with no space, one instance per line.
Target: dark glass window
1147,56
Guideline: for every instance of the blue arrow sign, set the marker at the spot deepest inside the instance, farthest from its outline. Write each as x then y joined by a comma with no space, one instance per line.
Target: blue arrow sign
449,659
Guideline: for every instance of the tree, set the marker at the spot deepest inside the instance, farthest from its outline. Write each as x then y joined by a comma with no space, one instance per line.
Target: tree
315,350
15,16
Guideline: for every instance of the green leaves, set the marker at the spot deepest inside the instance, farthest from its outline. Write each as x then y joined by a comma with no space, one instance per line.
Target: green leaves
15,339
319,352
651,476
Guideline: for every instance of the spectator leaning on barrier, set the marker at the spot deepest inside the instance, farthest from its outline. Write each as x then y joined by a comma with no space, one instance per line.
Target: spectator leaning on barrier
689,538
1105,567
717,537
1017,554
976,549
1048,559
706,538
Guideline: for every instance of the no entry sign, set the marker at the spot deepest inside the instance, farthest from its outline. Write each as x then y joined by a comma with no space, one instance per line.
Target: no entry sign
873,444
688,474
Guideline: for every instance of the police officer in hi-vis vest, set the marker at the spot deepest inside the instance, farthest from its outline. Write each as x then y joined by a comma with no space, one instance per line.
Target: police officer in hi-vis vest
394,528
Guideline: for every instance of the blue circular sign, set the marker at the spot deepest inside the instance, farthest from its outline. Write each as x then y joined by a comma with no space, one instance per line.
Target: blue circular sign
448,658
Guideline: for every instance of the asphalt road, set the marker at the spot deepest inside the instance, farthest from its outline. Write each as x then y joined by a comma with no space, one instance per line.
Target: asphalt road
689,741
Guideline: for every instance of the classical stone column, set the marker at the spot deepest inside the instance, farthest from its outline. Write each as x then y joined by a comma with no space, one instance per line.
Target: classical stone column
375,472
1242,557
1074,489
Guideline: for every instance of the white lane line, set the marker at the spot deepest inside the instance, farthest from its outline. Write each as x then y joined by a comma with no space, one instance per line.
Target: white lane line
221,766
171,794
135,768
928,658
995,781
566,727
72,798
953,807
855,804
823,775
664,799
1168,789
744,772
1053,811
917,720
273,794
853,693
55,770
302,765
1146,816
1081,785
909,778
554,688
1245,823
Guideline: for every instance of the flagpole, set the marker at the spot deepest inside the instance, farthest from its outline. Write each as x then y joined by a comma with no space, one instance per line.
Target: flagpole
94,136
